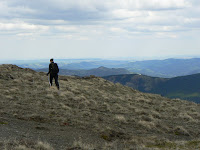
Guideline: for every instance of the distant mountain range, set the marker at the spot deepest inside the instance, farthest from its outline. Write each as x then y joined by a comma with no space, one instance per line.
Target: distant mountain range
101,71
83,64
165,68
183,87
158,68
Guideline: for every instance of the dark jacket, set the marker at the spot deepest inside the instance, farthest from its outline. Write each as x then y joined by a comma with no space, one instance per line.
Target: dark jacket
51,71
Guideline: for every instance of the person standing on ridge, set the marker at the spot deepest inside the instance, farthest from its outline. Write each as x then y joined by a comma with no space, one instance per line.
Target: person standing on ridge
53,71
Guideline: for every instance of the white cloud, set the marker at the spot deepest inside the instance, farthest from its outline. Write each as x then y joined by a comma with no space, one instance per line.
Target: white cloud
153,4
124,13
24,34
66,28
166,35
191,20
118,30
22,26
157,28
89,20
85,9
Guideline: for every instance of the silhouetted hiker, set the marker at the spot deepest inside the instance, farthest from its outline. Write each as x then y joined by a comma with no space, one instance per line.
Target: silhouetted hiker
53,71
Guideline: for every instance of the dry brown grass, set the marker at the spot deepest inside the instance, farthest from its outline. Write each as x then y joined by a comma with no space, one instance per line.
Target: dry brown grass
79,144
25,145
96,105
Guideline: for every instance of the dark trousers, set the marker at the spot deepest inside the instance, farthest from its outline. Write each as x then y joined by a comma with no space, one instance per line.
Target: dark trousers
55,76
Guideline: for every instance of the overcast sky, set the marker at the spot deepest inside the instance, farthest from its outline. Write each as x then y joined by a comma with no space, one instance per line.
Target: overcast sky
35,29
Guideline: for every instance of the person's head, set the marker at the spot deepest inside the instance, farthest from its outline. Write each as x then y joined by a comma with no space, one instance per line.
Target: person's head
51,60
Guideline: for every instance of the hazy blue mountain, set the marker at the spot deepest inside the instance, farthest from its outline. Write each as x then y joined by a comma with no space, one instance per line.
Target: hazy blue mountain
165,68
94,64
71,64
183,87
101,71
158,68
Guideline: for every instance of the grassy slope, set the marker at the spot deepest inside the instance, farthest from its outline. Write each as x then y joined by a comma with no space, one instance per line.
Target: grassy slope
185,87
112,111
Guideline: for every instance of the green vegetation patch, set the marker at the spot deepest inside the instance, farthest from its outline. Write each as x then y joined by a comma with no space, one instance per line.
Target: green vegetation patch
3,122
193,143
168,145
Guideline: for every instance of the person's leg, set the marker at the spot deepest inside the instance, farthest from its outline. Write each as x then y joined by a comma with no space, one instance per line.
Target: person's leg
56,81
51,79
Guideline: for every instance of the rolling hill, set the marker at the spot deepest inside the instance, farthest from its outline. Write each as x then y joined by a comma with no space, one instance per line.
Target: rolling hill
157,68
70,64
101,71
165,68
184,87
90,113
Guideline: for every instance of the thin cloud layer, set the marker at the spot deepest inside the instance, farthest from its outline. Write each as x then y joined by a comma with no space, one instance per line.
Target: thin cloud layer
104,24
127,16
